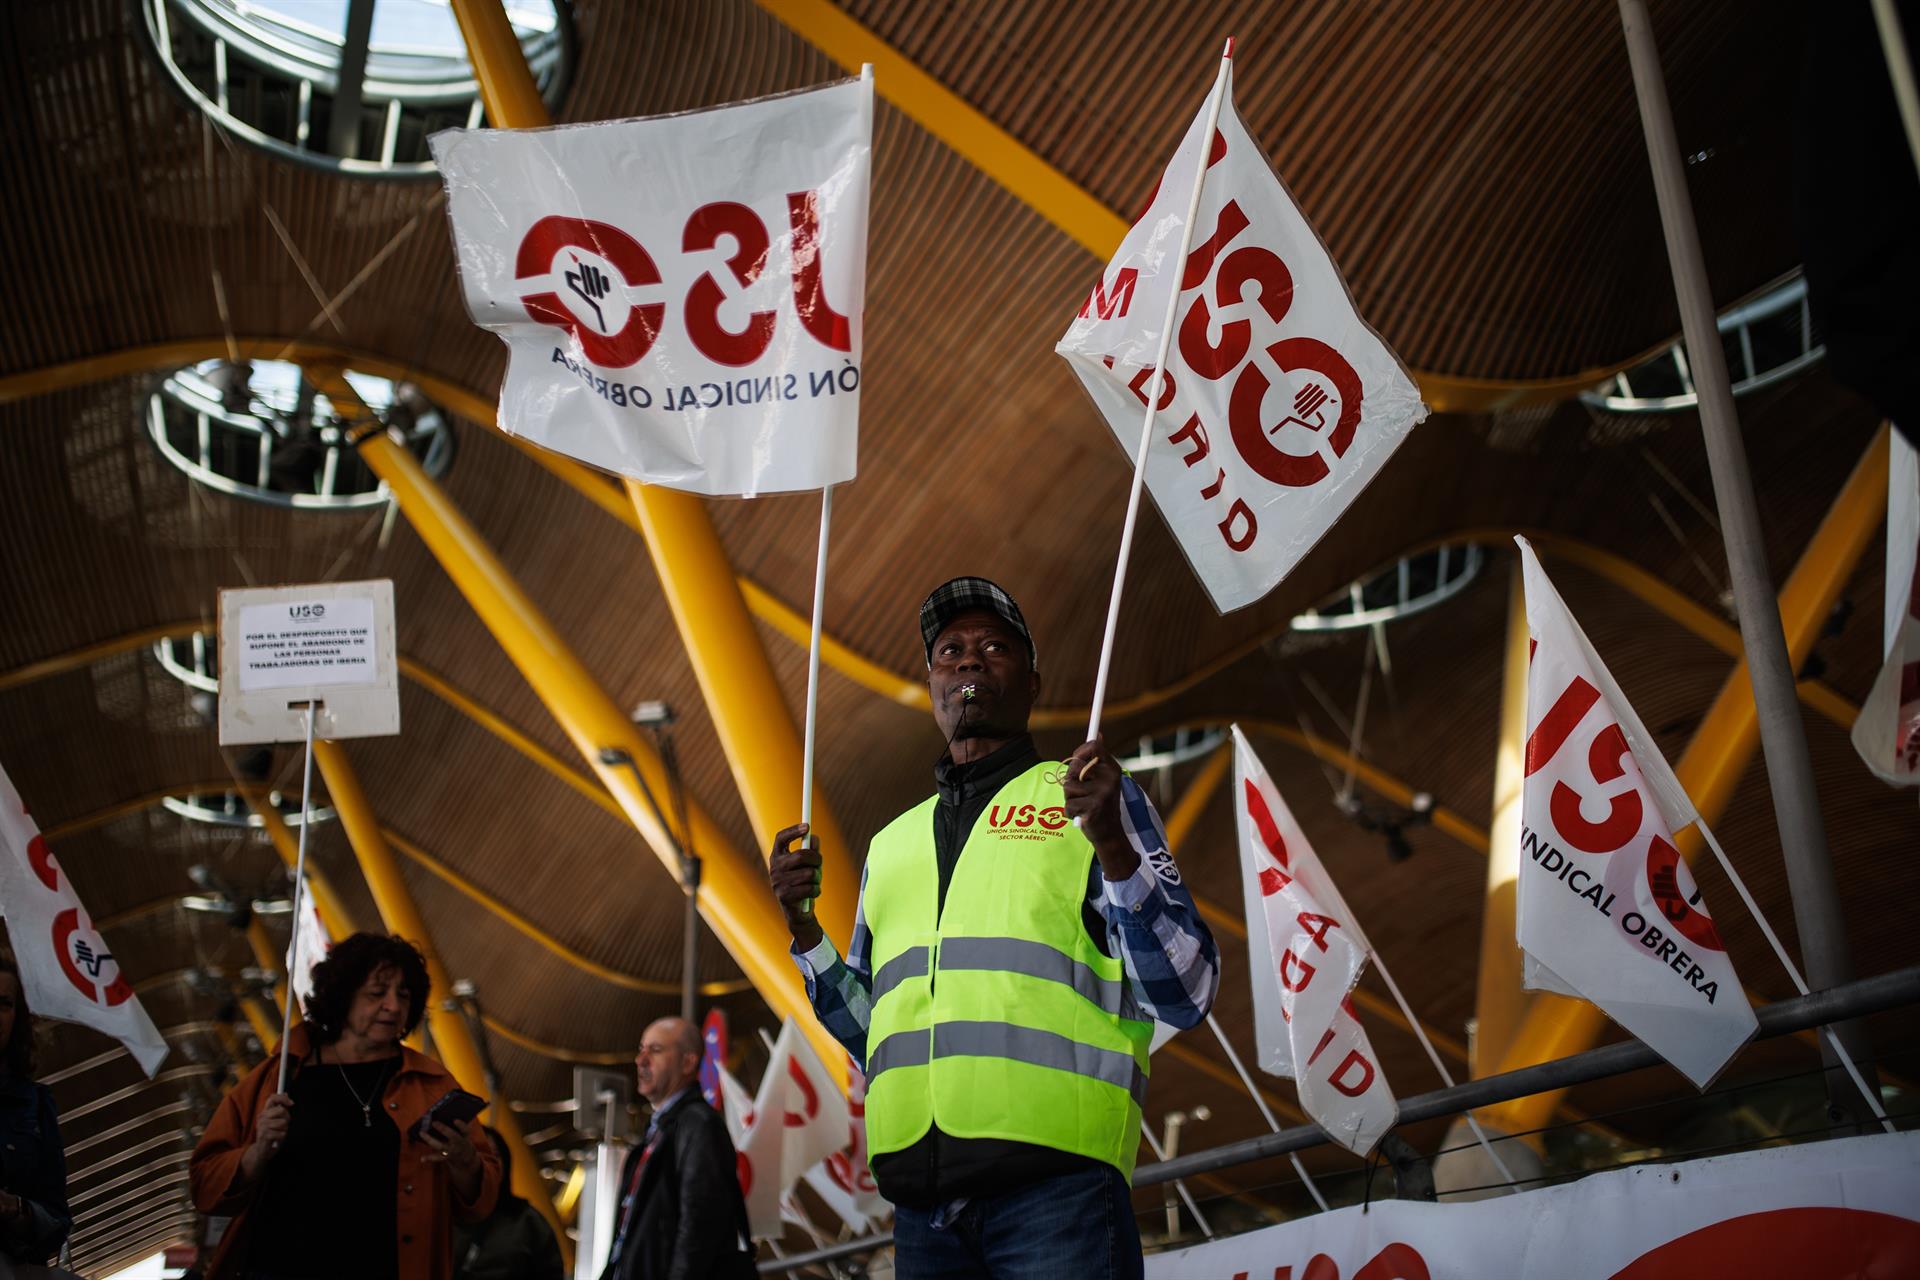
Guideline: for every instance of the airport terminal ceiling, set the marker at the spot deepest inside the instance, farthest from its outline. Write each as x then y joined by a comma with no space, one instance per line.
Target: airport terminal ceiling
1475,166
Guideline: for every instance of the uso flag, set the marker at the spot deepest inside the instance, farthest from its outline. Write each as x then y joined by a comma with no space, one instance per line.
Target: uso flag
1284,403
680,296
1607,907
1305,952
65,965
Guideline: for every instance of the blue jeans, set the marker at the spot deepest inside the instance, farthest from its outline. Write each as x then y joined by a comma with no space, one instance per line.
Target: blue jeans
1078,1226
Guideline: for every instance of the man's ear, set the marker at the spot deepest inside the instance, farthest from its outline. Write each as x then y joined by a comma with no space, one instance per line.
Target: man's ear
1034,684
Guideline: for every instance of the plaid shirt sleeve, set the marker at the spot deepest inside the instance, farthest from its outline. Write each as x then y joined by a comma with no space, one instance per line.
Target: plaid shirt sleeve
1173,966
841,991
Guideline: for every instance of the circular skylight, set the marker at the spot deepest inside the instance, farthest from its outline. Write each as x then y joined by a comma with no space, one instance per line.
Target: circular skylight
260,430
346,84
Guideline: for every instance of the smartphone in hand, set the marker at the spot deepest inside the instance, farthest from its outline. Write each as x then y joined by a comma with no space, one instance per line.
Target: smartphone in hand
451,1109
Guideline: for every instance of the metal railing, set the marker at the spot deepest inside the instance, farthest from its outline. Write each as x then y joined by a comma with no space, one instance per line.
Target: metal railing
1854,1000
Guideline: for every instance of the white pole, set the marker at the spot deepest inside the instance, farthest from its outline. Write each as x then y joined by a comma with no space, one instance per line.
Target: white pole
1893,43
1446,1076
813,669
1153,387
1240,1069
299,895
1146,1131
1793,971
813,658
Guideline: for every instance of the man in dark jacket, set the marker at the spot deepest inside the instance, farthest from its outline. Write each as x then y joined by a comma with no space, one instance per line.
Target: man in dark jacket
681,1213
513,1242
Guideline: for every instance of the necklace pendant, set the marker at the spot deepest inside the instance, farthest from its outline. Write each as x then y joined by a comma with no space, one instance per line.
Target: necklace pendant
366,1117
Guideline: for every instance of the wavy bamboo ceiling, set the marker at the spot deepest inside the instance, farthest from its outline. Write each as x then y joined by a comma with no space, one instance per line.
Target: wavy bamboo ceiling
1476,167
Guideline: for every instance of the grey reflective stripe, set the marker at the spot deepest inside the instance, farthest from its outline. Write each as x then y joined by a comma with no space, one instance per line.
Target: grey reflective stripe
1034,960
901,1049
911,963
1038,1048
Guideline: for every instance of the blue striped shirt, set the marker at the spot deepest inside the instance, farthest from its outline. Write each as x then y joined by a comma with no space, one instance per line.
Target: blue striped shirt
1171,962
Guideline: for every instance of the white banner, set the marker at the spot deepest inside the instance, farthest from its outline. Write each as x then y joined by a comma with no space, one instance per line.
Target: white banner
1887,732
843,1179
1607,907
1285,404
66,968
1832,1210
680,296
799,1119
1305,952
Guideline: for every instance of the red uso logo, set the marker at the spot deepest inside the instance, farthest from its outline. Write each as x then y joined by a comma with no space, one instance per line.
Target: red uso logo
81,951
591,269
1320,423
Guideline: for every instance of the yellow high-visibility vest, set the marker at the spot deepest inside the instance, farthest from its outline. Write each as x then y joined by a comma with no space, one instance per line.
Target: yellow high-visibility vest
997,1016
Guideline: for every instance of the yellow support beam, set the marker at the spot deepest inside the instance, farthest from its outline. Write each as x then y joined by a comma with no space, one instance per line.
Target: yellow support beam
265,1023
607,494
266,958
398,912
1500,1004
1722,747
1187,811
333,913
1030,178
734,897
748,710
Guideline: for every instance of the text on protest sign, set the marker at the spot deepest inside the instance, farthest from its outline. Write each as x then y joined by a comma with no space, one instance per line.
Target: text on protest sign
307,642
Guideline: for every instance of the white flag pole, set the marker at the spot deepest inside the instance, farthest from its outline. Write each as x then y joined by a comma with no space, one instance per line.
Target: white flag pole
1240,1069
1179,1184
1178,268
1446,1077
299,894
1793,971
813,668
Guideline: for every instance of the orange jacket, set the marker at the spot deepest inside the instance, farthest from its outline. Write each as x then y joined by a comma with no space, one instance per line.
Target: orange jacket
428,1206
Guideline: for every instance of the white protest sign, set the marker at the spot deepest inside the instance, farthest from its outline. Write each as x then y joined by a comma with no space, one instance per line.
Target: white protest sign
680,296
1831,1210
332,643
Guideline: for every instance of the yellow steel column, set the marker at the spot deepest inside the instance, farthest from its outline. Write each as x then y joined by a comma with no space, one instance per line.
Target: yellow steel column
332,913
266,1027
402,917
265,957
1722,748
734,898
1499,1003
749,712
1192,803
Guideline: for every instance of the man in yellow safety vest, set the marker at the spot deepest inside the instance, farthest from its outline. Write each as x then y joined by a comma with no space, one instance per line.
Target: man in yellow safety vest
1019,933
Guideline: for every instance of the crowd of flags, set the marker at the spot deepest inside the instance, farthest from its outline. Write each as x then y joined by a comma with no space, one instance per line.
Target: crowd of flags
1275,407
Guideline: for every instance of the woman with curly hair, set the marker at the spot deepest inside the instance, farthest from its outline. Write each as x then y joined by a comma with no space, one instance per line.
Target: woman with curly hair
33,1166
327,1178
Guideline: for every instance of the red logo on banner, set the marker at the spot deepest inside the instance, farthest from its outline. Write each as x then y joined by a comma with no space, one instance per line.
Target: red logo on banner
587,245
1807,1244
83,956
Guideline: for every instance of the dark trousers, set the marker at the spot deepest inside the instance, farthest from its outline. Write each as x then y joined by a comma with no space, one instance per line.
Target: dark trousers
1078,1224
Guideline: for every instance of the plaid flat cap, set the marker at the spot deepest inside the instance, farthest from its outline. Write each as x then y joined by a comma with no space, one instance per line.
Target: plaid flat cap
950,599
